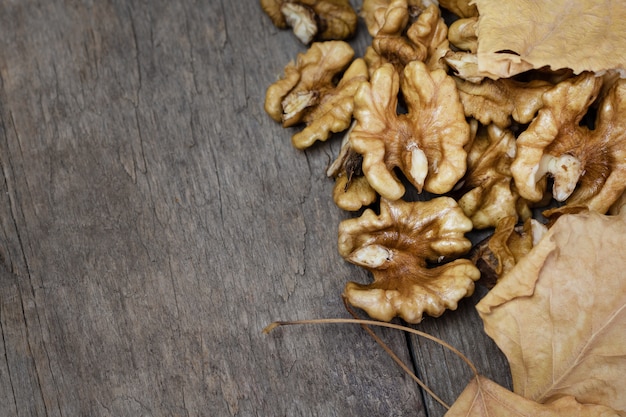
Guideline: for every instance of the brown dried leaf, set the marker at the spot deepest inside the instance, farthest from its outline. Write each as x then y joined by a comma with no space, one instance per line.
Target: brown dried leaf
560,314
483,397
581,35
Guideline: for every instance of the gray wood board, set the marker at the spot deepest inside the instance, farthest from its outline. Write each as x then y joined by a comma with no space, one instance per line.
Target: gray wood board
155,220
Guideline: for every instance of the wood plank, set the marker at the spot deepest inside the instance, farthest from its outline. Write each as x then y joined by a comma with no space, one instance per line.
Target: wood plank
19,380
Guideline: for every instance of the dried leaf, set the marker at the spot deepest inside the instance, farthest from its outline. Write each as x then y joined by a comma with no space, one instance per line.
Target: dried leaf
560,314
581,35
483,397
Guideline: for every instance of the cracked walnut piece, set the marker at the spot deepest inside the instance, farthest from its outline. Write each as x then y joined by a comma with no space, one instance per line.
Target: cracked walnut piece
462,34
461,8
501,101
429,34
385,17
426,143
498,254
351,190
313,19
399,40
307,92
397,246
488,187
588,165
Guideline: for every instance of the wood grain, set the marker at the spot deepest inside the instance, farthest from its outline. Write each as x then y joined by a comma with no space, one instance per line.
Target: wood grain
155,220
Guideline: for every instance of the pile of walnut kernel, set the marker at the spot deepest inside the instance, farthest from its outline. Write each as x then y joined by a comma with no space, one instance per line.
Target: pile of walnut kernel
486,152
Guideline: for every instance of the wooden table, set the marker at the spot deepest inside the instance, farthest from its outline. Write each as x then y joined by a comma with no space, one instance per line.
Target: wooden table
155,220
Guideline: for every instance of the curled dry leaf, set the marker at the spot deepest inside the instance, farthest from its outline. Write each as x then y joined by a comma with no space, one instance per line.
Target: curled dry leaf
559,315
426,143
581,35
484,398
396,246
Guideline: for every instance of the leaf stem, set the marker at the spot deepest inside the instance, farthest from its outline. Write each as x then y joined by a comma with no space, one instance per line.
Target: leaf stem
366,323
395,358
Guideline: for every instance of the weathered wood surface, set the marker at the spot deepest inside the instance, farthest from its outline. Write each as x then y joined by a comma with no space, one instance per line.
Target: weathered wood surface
154,220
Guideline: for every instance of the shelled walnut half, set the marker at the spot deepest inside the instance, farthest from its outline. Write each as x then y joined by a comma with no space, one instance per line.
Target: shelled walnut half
489,193
498,254
397,246
351,191
401,36
313,19
308,92
588,165
426,144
